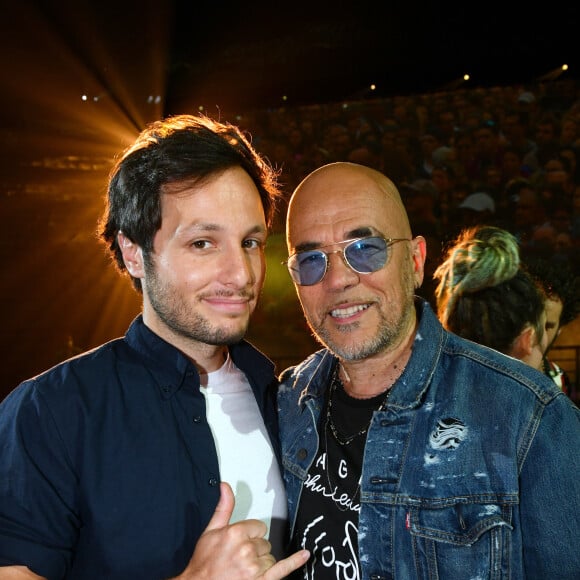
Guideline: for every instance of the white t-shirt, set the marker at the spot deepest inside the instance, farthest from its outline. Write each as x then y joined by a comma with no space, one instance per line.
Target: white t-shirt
246,458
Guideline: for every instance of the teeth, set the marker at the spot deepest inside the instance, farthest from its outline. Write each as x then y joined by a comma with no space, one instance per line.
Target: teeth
346,312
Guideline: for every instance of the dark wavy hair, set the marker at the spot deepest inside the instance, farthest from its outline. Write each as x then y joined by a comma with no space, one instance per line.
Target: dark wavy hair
558,281
179,149
484,294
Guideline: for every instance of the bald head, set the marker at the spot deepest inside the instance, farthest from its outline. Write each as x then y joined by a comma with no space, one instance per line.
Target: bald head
356,313
340,192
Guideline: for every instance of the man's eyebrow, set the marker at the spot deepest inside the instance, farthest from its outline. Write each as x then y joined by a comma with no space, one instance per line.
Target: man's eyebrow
258,229
360,232
201,227
197,228
306,246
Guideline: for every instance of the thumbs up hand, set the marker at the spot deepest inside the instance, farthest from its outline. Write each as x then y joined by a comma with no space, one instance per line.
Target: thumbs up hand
237,550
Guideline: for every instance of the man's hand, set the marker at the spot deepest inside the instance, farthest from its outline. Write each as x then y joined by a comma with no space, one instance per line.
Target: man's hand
238,550
18,573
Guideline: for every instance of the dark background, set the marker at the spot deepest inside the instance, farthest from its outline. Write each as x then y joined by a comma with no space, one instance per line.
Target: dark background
137,61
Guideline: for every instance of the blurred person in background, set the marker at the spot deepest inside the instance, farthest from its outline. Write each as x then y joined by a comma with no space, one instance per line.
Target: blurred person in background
486,296
560,284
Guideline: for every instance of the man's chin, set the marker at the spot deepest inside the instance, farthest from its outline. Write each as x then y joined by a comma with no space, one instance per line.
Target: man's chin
347,347
229,336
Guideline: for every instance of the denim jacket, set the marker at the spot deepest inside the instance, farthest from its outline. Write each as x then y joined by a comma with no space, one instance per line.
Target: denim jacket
472,470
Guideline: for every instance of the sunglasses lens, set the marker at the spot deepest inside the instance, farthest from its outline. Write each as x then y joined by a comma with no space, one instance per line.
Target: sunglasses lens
363,256
307,268
366,255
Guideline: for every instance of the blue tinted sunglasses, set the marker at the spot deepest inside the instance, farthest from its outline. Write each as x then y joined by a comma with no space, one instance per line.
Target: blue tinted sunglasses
363,255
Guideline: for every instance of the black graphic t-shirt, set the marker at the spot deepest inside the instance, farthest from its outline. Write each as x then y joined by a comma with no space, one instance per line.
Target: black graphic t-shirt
327,519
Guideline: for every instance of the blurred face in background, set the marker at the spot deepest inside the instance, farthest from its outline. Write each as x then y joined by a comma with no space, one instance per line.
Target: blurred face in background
554,309
533,354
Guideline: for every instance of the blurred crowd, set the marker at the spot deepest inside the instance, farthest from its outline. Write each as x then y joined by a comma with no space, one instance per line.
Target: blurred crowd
505,156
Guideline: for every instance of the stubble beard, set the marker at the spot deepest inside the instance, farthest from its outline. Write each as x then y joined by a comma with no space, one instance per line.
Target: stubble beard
177,314
389,332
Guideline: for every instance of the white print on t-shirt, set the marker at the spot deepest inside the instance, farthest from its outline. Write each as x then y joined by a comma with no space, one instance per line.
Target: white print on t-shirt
342,470
316,484
324,555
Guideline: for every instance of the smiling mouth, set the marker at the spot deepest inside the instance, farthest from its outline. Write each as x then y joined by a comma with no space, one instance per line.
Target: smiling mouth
226,297
346,312
229,305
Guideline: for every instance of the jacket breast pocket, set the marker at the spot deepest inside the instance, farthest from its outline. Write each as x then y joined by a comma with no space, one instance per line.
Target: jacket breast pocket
463,540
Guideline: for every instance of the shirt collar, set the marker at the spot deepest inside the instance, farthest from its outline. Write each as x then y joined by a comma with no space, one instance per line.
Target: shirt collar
168,365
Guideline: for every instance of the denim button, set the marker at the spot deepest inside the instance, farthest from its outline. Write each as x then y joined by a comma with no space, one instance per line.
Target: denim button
302,453
213,481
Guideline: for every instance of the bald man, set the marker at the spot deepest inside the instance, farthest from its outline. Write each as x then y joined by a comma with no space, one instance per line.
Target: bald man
409,452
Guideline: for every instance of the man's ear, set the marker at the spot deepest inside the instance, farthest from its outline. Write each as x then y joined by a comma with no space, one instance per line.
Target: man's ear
132,256
524,343
419,249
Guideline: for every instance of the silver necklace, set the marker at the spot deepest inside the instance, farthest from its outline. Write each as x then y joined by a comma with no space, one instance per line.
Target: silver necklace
339,437
344,502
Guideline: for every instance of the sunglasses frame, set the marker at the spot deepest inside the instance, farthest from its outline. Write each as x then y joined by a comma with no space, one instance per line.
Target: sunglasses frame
345,244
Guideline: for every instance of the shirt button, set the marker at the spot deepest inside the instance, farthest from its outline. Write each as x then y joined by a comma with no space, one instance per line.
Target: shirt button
302,454
197,419
212,481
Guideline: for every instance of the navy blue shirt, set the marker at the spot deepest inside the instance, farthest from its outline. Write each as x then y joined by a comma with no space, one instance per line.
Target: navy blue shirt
108,467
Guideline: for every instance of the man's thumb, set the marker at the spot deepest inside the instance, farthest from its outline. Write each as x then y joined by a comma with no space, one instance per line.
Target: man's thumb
225,507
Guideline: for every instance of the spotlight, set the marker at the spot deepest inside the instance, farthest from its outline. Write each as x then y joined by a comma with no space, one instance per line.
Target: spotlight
553,74
455,83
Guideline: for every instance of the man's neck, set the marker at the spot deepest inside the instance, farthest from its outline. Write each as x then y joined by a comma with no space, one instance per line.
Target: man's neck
372,376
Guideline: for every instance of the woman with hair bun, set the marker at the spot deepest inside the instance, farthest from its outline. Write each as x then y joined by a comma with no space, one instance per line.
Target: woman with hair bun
485,295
